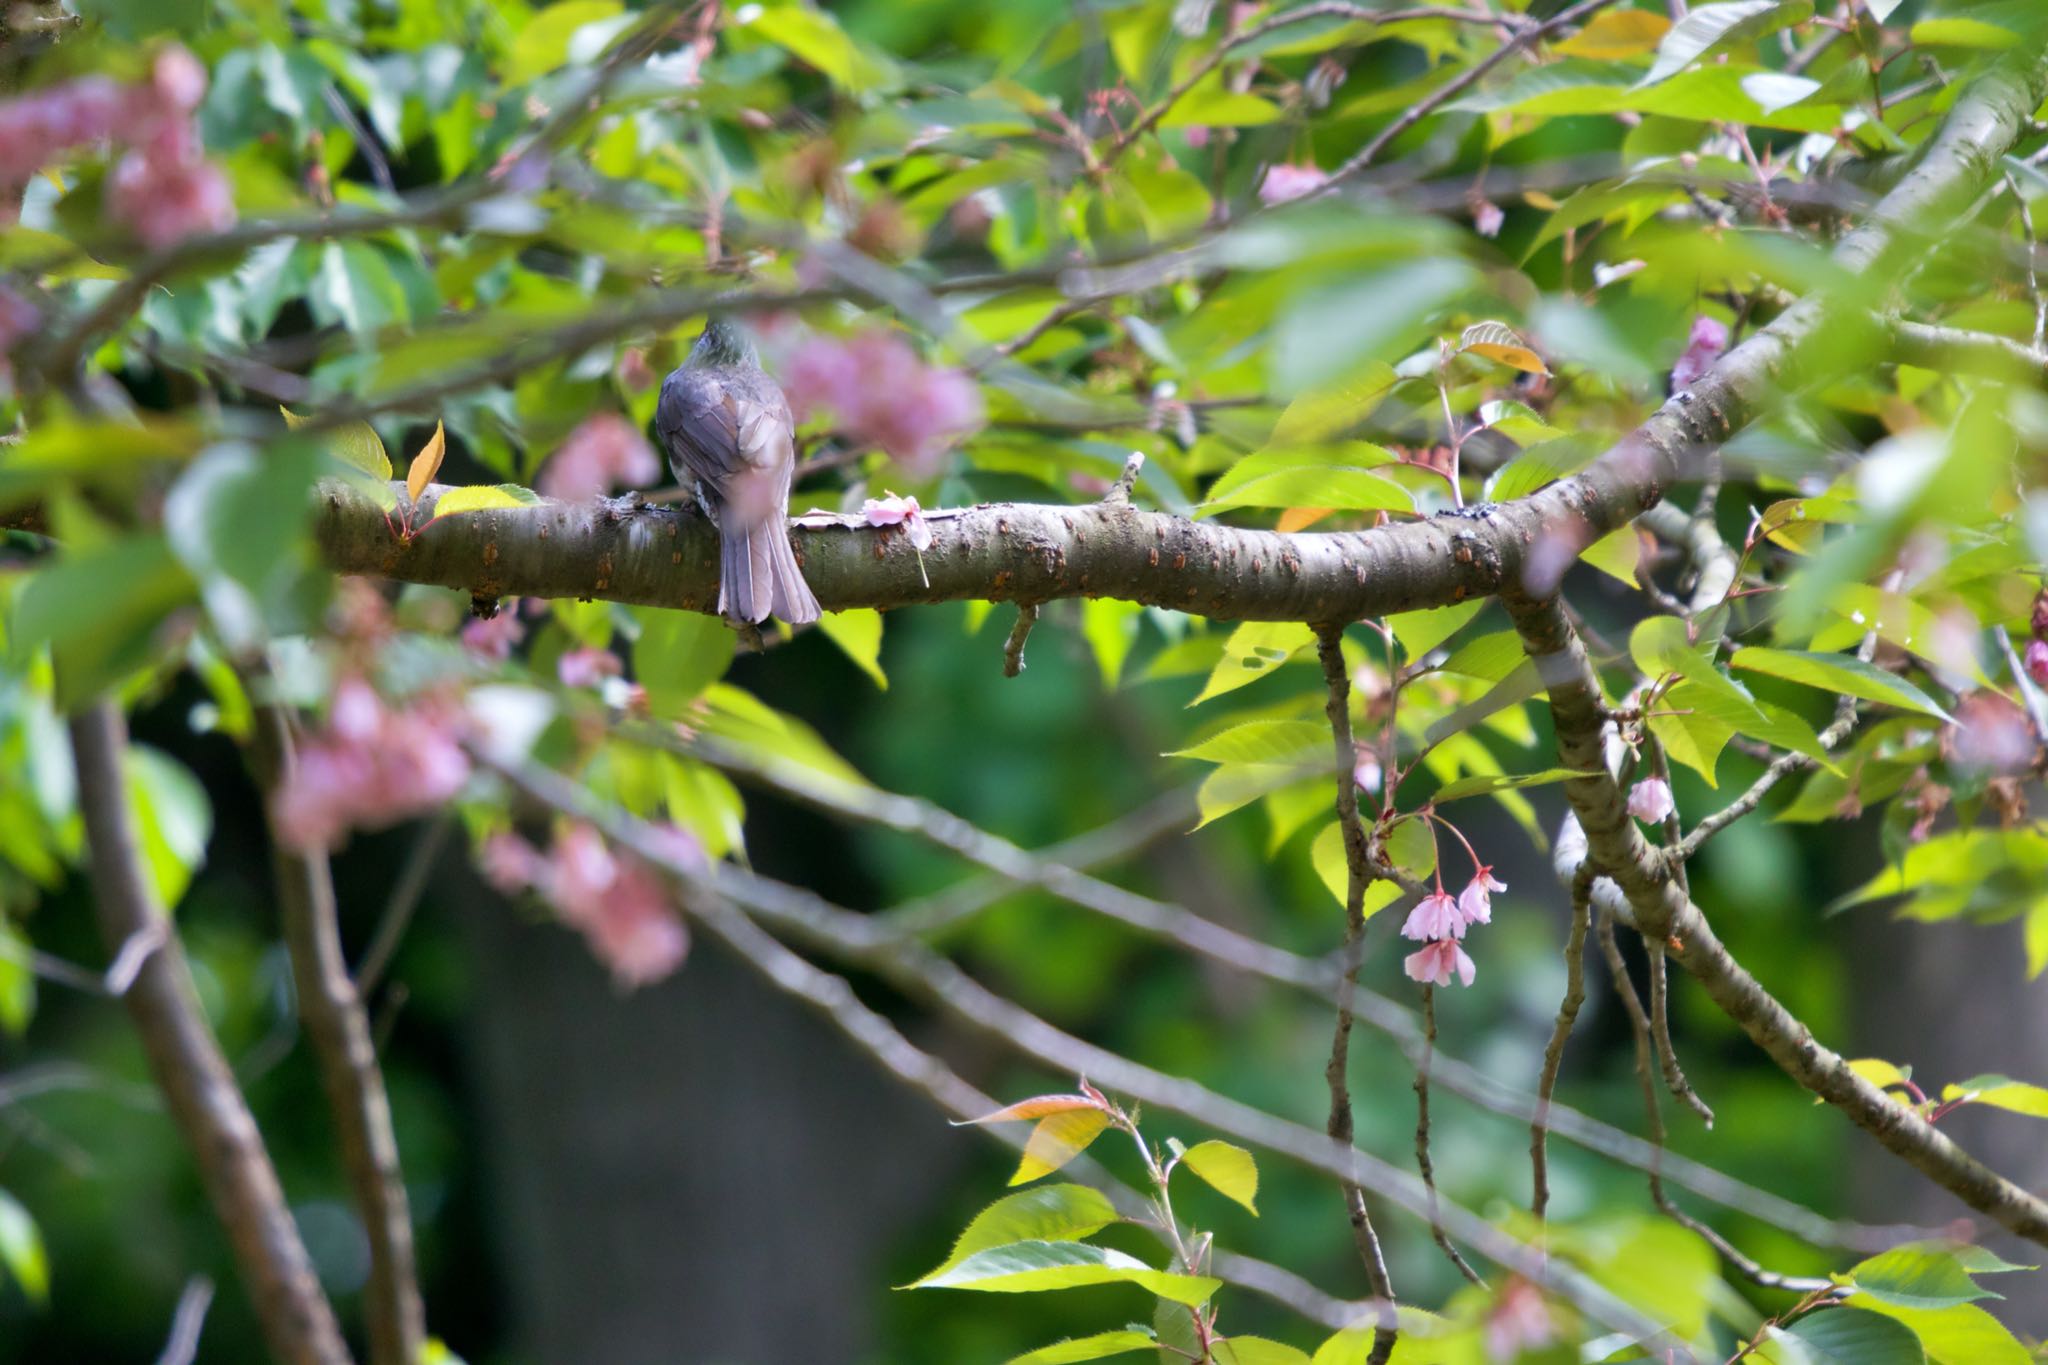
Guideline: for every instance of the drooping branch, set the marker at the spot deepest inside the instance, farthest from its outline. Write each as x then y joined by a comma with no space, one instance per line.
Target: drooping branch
1661,911
339,1030
185,1058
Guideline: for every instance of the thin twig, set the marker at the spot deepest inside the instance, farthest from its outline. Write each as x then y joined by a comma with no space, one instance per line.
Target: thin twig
405,899
1336,1073
1424,1166
1449,91
1013,648
339,1031
1553,1055
187,1322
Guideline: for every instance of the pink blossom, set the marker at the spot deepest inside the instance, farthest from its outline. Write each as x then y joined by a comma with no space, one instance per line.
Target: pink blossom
1434,916
635,374
166,190
1475,902
369,767
509,863
1519,1321
493,637
1650,800
1487,217
1991,734
618,903
2037,661
1287,181
1703,347
1436,962
604,452
1197,136
587,667
904,512
177,80
877,390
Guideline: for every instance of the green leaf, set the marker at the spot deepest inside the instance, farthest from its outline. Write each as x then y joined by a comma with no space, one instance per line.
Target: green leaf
2037,938
1230,1170
173,819
1256,1351
1921,1275
1485,784
1840,673
858,633
1110,627
1097,1347
1029,1267
483,498
1962,32
1709,27
355,444
678,655
1960,1335
1234,786
1050,1213
1324,413
1288,743
354,287
1253,650
17,982
1421,631
1333,331
1851,1336
21,1250
100,611
1339,487
815,38
543,42
1661,644
1210,104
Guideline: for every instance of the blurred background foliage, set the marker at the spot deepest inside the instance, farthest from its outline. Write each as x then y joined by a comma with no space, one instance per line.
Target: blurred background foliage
522,287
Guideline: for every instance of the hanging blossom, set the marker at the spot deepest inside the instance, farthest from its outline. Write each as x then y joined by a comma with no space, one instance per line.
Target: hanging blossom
878,391
619,903
2037,662
1365,771
163,188
587,667
604,452
492,637
1650,800
369,767
1439,921
1437,962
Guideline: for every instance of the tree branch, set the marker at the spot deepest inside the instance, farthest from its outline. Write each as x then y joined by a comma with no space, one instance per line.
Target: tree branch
1661,911
339,1031
185,1058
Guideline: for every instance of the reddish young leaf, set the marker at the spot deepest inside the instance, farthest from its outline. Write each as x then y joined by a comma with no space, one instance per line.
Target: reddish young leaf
1037,1107
426,464
1057,1140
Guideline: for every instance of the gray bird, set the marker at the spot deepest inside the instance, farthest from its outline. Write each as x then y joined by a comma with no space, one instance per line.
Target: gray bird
728,430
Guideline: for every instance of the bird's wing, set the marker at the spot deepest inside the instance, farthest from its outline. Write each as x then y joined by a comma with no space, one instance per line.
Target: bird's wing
699,422
766,433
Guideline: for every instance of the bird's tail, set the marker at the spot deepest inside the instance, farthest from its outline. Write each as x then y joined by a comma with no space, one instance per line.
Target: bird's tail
758,573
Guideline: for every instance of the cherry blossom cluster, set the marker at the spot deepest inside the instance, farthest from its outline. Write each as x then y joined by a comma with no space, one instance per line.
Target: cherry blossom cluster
1439,921
904,512
163,187
370,766
604,452
619,903
878,391
1708,339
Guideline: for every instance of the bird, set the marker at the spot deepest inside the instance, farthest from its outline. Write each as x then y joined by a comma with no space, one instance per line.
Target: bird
727,429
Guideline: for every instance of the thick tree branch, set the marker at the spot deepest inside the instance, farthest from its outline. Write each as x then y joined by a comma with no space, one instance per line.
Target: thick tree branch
185,1058
339,1031
1661,911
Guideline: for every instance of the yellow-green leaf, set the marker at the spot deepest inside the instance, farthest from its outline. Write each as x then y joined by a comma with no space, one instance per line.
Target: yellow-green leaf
1616,33
355,444
1228,1169
1027,1267
858,633
1058,1139
481,497
1096,1347
2001,1092
1050,1213
1253,650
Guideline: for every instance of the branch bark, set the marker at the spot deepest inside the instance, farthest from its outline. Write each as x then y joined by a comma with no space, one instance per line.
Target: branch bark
185,1058
1664,914
339,1031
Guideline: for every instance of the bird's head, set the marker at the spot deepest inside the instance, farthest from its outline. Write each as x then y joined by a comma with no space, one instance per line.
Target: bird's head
724,342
